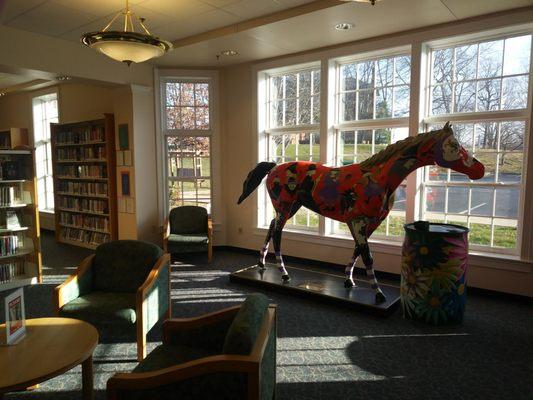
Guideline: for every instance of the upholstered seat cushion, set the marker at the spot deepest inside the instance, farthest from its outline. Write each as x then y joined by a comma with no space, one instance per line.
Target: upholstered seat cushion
243,331
100,309
123,265
167,355
190,239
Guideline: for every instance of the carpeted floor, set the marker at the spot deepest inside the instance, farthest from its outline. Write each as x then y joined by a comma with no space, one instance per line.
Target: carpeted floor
325,351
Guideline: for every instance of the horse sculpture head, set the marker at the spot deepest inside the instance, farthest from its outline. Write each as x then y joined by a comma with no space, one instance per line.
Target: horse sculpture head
449,153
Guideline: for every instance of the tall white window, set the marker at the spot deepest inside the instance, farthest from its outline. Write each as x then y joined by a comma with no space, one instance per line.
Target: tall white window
482,87
292,114
188,131
45,111
372,103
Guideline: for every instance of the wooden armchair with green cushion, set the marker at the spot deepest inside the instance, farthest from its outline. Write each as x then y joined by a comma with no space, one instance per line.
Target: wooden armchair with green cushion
188,229
229,354
123,289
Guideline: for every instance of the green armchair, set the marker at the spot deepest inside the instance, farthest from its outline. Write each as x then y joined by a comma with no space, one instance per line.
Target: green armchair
124,287
228,354
188,229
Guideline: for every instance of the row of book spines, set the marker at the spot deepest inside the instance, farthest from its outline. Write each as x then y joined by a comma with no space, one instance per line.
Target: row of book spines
98,152
85,221
9,195
79,235
82,171
11,270
10,244
83,188
93,134
99,206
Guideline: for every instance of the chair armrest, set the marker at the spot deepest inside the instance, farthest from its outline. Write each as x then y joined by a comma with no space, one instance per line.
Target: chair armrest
76,285
153,297
180,372
207,331
166,234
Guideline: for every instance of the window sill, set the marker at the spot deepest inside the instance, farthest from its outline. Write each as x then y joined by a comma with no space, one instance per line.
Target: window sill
476,258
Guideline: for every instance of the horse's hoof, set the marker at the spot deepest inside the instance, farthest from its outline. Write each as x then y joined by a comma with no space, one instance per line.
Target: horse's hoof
261,266
285,278
380,298
349,283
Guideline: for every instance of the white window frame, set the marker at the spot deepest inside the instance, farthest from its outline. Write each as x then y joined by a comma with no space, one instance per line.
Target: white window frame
265,134
480,116
48,175
367,124
185,133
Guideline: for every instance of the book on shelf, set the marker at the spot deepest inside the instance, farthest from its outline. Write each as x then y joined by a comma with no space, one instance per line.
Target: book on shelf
89,135
87,237
13,219
12,269
11,244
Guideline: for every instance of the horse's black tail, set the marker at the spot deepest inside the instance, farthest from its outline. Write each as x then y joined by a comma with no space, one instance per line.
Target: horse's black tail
254,178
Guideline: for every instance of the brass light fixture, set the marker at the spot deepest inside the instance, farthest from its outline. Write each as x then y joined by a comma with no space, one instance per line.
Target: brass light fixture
127,45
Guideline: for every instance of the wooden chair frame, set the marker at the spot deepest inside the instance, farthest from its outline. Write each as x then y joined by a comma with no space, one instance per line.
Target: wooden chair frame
140,304
166,234
249,364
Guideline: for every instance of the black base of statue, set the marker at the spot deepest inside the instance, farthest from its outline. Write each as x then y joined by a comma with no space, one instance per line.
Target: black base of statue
321,286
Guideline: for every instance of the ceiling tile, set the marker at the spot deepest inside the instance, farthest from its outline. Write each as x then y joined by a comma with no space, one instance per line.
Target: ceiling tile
10,9
51,19
247,9
465,9
204,54
100,8
201,23
178,9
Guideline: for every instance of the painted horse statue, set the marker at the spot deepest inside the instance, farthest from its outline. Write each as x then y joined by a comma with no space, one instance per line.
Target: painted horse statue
361,195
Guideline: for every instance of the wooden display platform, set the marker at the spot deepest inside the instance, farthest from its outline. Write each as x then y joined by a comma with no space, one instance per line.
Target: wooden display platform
321,286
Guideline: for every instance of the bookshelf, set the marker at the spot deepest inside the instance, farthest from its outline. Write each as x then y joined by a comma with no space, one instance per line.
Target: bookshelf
83,159
13,137
20,244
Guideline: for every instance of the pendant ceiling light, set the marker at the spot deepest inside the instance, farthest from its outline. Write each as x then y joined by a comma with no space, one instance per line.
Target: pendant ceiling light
127,45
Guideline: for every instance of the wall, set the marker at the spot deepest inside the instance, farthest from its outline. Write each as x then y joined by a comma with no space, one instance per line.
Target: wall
239,157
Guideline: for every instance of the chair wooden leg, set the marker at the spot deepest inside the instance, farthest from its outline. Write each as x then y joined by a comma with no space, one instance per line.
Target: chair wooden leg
141,347
209,252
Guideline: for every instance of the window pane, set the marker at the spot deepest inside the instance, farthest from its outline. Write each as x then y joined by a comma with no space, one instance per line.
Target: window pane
490,59
365,74
187,94
348,77
201,96
348,106
465,62
187,105
304,110
507,201
465,96
385,72
459,203
517,54
514,92
481,201
401,101
435,199
172,91
365,104
505,235
488,95
441,99
442,65
402,70
384,103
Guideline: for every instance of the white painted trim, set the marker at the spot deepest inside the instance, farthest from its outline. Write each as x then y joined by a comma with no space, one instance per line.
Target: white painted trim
212,77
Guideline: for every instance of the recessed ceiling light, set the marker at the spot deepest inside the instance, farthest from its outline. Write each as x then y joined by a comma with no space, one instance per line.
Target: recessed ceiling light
63,78
344,26
2,94
228,53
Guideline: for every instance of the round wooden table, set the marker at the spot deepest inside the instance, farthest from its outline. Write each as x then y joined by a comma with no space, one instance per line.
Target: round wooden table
51,347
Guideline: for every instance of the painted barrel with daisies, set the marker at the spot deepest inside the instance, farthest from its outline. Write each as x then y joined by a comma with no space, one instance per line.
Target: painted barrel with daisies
433,284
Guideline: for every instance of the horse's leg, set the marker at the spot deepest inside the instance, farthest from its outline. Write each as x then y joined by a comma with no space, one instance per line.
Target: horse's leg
264,250
348,271
280,220
358,230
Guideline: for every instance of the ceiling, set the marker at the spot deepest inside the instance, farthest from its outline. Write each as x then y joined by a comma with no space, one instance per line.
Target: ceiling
9,80
178,19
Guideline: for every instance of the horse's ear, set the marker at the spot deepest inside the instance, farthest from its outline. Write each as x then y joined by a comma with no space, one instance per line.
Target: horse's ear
448,128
